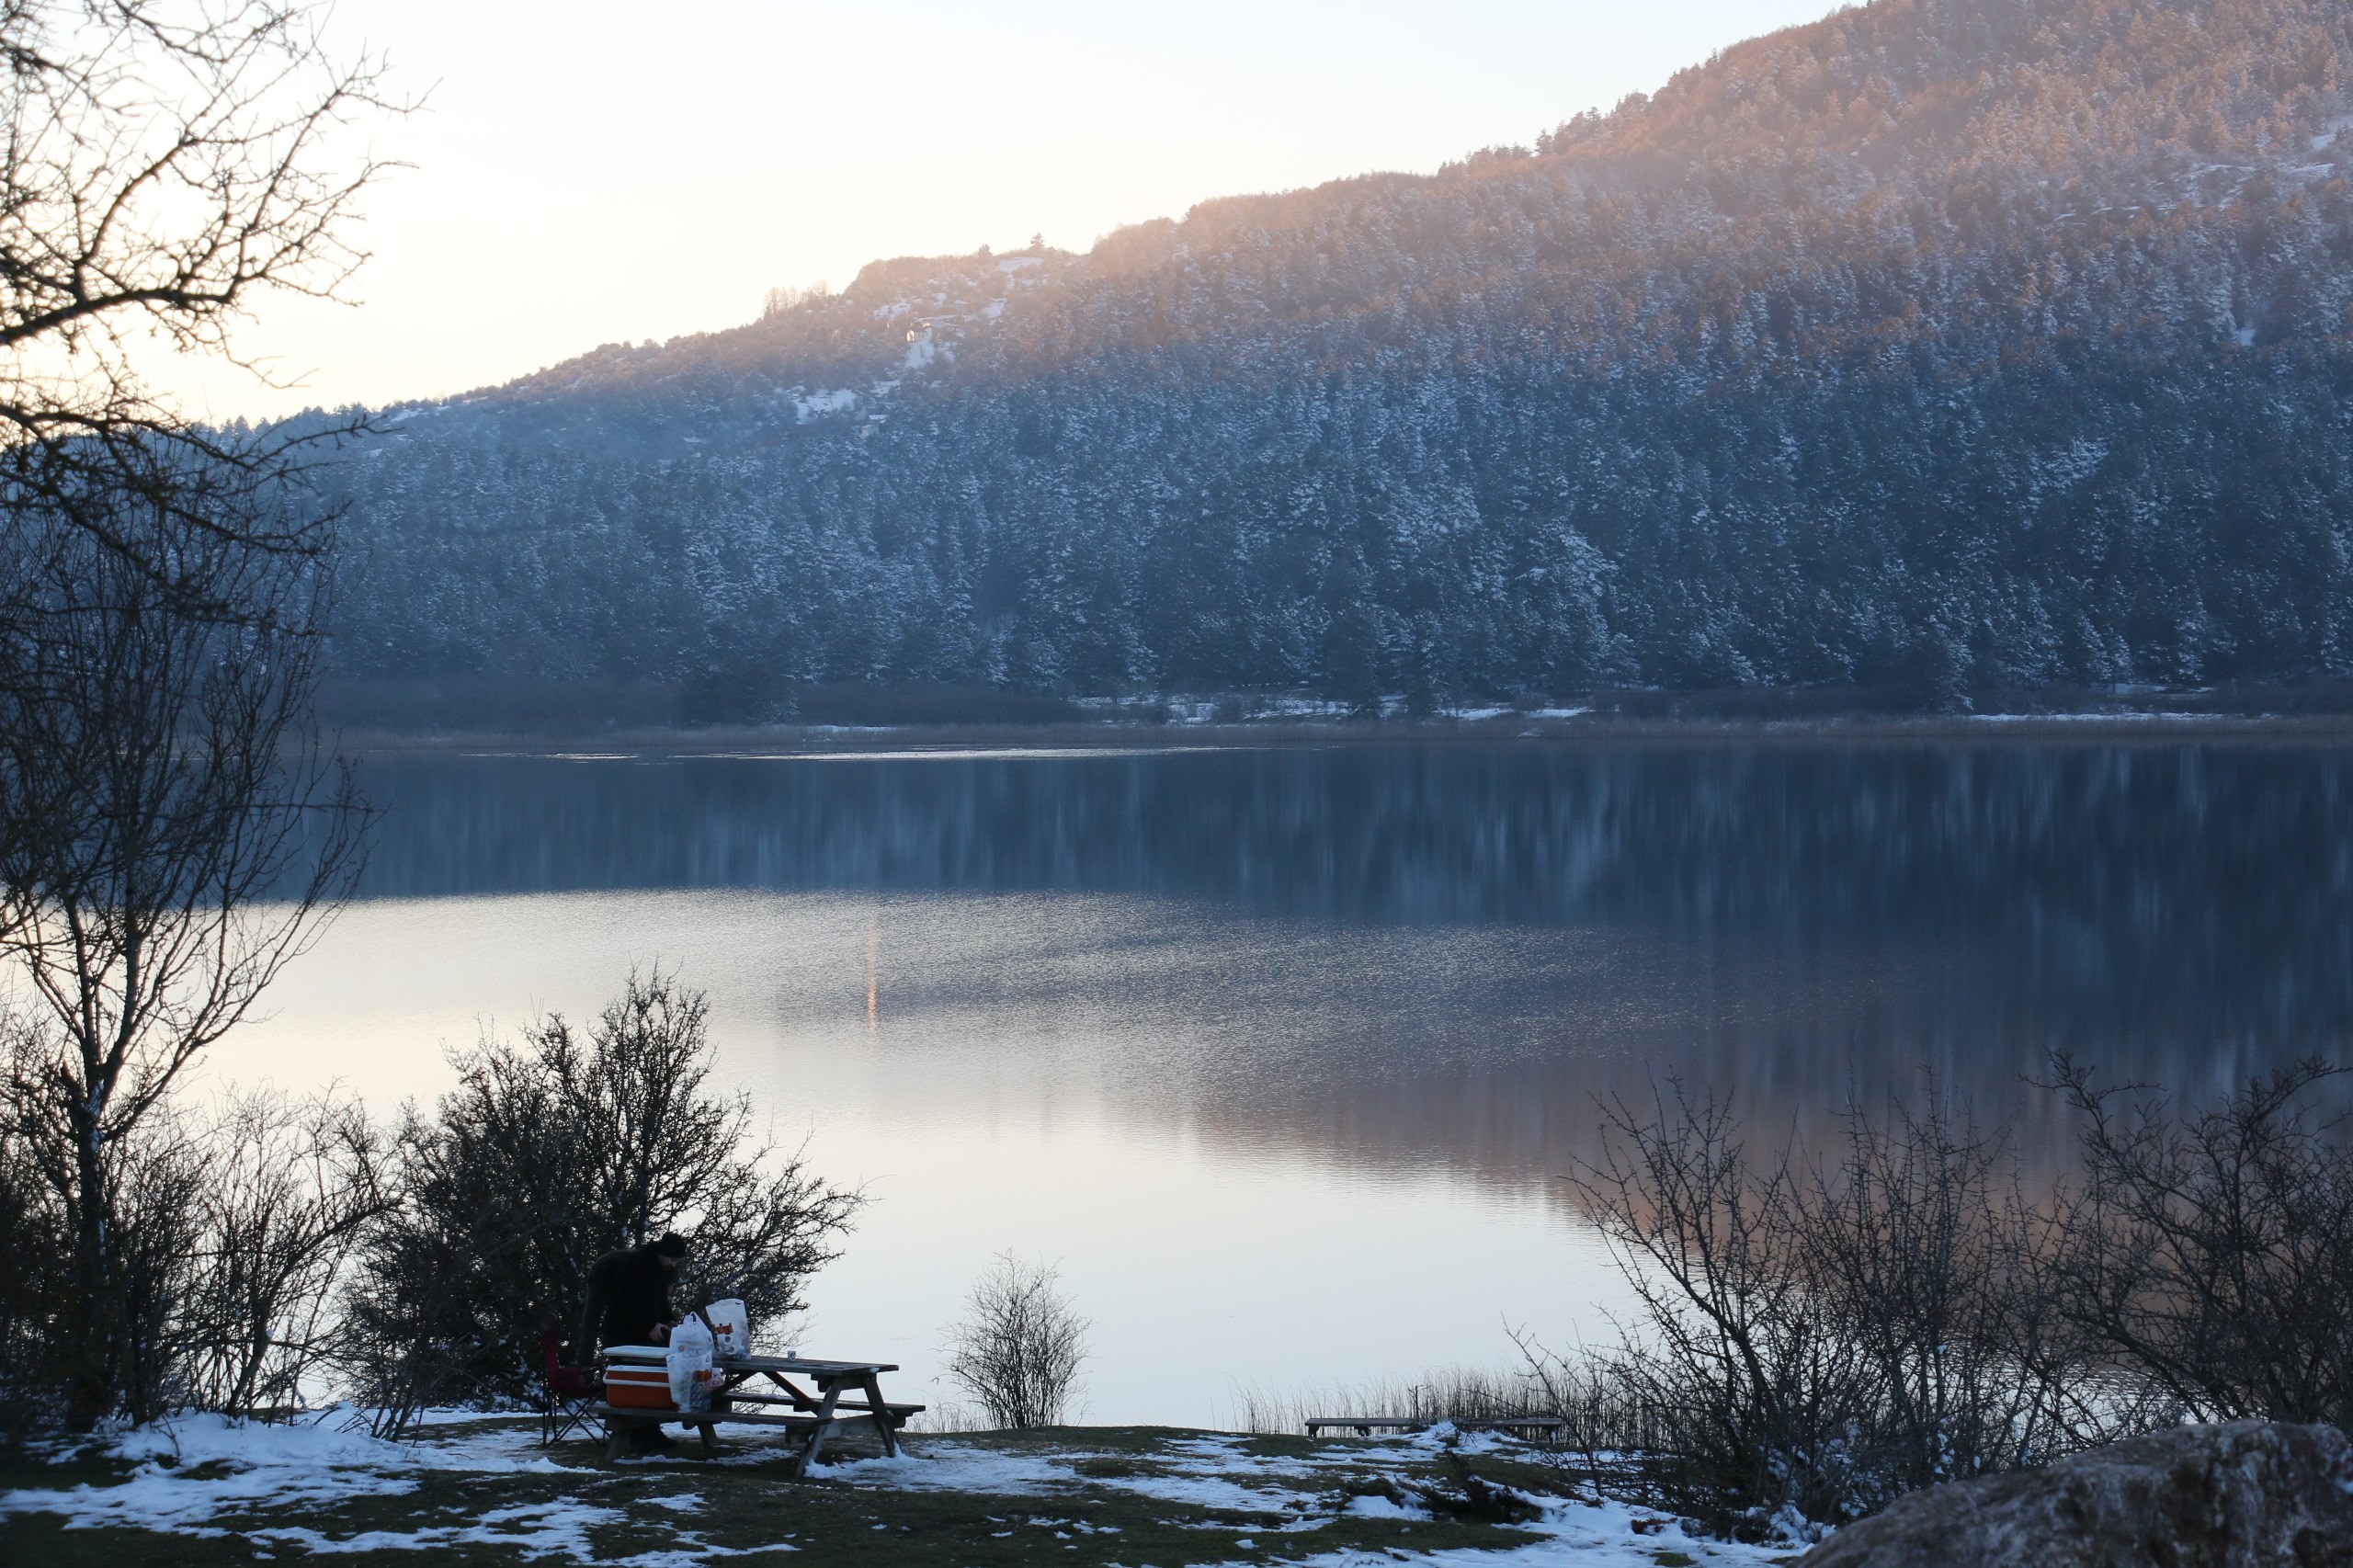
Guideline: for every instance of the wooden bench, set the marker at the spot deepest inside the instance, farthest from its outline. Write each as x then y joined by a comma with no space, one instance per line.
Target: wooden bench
1549,1426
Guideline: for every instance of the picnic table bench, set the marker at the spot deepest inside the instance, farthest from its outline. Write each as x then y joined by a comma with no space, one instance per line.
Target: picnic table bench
1548,1426
810,1414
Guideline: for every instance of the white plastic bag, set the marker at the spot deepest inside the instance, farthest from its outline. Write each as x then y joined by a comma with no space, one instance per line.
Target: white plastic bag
731,1326
690,1355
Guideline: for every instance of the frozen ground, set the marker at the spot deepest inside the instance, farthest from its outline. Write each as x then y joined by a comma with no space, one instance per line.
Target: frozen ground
478,1489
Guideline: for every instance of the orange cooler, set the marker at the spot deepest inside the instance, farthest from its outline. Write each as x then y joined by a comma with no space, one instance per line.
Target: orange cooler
639,1387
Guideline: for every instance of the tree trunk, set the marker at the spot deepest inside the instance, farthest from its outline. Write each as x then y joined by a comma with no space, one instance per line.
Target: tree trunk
91,1330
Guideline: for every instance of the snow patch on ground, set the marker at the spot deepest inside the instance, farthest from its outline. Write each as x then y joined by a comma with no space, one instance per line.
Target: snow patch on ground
1209,1491
550,1530
957,1466
245,1464
948,1466
204,1439
1228,1457
1569,1535
250,1464
1443,1435
1372,1507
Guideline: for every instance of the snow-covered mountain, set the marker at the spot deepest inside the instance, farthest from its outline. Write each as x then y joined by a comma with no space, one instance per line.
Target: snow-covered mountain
1939,346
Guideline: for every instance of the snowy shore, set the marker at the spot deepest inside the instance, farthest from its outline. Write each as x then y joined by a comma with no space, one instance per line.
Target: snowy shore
481,1489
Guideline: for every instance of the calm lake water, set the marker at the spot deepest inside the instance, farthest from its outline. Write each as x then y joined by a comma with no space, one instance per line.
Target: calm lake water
1280,1052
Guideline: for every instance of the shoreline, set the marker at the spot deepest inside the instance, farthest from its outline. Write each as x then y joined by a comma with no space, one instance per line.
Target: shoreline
1113,737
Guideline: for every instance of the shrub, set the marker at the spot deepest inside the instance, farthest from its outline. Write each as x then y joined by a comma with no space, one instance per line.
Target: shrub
1750,1394
2211,1255
1816,1336
282,1194
1019,1346
550,1152
230,1230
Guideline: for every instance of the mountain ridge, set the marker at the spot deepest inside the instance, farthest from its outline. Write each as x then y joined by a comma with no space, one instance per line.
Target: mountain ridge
1946,343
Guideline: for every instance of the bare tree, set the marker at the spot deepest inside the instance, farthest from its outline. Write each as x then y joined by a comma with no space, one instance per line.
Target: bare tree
165,163
1020,1345
173,832
172,828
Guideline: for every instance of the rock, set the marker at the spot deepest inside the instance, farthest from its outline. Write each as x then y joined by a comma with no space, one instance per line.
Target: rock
2242,1495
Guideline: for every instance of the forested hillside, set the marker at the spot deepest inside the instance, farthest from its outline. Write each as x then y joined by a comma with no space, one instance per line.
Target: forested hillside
1940,345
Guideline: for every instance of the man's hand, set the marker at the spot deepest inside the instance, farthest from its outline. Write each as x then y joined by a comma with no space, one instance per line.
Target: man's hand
660,1334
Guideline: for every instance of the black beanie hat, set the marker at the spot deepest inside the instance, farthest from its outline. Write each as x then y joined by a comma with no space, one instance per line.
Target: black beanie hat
671,1244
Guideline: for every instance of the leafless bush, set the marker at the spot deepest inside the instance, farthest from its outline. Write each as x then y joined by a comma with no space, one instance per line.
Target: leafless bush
1816,1333
286,1192
227,1236
1816,1336
1605,1427
152,1179
2210,1254
1750,1392
1923,1246
1018,1350
33,1232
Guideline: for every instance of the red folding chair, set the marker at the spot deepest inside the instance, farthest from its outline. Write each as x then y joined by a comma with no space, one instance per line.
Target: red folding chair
568,1395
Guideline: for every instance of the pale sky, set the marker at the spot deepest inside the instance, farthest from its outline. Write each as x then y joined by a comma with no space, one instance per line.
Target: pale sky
589,171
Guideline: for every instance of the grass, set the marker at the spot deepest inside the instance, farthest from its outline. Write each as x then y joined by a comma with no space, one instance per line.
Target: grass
1096,1497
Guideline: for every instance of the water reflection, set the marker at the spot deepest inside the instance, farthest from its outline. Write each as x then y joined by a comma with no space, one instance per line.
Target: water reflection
1233,1027
2116,898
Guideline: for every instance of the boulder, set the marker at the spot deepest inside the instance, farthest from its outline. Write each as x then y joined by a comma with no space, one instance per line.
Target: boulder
2241,1494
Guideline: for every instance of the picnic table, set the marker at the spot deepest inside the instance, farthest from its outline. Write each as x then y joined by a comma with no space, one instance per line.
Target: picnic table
810,1414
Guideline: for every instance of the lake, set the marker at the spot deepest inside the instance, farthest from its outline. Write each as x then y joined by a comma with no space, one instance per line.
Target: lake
1281,1052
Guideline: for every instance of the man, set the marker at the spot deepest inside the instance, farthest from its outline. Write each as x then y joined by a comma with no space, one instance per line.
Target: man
628,1303
629,1295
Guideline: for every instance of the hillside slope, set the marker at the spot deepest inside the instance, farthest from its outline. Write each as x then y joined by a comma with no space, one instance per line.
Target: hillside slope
1941,343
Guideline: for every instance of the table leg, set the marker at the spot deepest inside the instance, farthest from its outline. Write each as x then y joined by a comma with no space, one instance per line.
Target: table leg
873,1386
800,1401
709,1439
833,1391
615,1439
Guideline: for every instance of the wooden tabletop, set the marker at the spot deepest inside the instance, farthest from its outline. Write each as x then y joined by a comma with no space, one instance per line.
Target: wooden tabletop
805,1365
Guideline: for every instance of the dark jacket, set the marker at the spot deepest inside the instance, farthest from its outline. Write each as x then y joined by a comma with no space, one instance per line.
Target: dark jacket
629,1295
